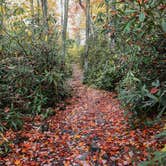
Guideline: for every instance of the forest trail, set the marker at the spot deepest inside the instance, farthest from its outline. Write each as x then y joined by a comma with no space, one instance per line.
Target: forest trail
90,130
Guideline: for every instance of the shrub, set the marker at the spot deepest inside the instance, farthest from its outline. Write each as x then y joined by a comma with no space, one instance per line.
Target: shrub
102,71
157,158
128,54
142,100
32,77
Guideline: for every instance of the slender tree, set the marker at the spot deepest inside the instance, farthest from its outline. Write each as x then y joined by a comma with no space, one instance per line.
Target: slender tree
64,30
91,24
110,5
108,20
32,10
32,17
38,12
87,35
107,4
113,6
62,12
2,14
78,35
44,4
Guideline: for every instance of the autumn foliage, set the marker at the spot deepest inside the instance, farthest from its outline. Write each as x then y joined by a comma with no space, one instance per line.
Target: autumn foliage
82,83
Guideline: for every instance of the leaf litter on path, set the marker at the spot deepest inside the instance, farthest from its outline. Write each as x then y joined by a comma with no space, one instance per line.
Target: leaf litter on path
91,131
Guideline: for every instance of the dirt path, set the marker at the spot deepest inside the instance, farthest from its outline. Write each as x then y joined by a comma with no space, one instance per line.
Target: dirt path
90,131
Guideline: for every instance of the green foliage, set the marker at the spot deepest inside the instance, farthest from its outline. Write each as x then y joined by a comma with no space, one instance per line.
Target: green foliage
162,134
74,53
142,101
128,54
102,71
47,113
32,77
158,159
4,148
36,78
10,118
142,38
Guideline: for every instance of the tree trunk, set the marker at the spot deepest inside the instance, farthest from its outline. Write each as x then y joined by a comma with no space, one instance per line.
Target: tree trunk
32,11
62,12
64,30
91,24
38,12
107,12
45,13
113,25
32,17
1,17
108,20
87,35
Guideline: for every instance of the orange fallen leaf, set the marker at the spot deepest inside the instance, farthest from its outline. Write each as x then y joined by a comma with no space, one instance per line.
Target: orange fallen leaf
17,162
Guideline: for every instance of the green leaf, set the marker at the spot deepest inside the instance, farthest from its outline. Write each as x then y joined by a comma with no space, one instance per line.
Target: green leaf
156,83
130,11
142,17
18,11
163,25
127,27
154,98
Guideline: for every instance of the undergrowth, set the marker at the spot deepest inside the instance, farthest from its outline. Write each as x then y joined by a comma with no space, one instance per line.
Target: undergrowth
132,60
32,77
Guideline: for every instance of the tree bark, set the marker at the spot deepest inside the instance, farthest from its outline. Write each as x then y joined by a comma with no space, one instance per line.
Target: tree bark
38,12
113,6
78,35
91,24
32,17
45,13
62,12
87,35
64,30
2,17
32,10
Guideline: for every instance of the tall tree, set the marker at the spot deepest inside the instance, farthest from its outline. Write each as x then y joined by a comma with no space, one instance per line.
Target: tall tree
1,14
110,22
32,17
32,10
62,11
78,37
87,35
64,30
38,12
91,24
113,6
45,12
107,4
